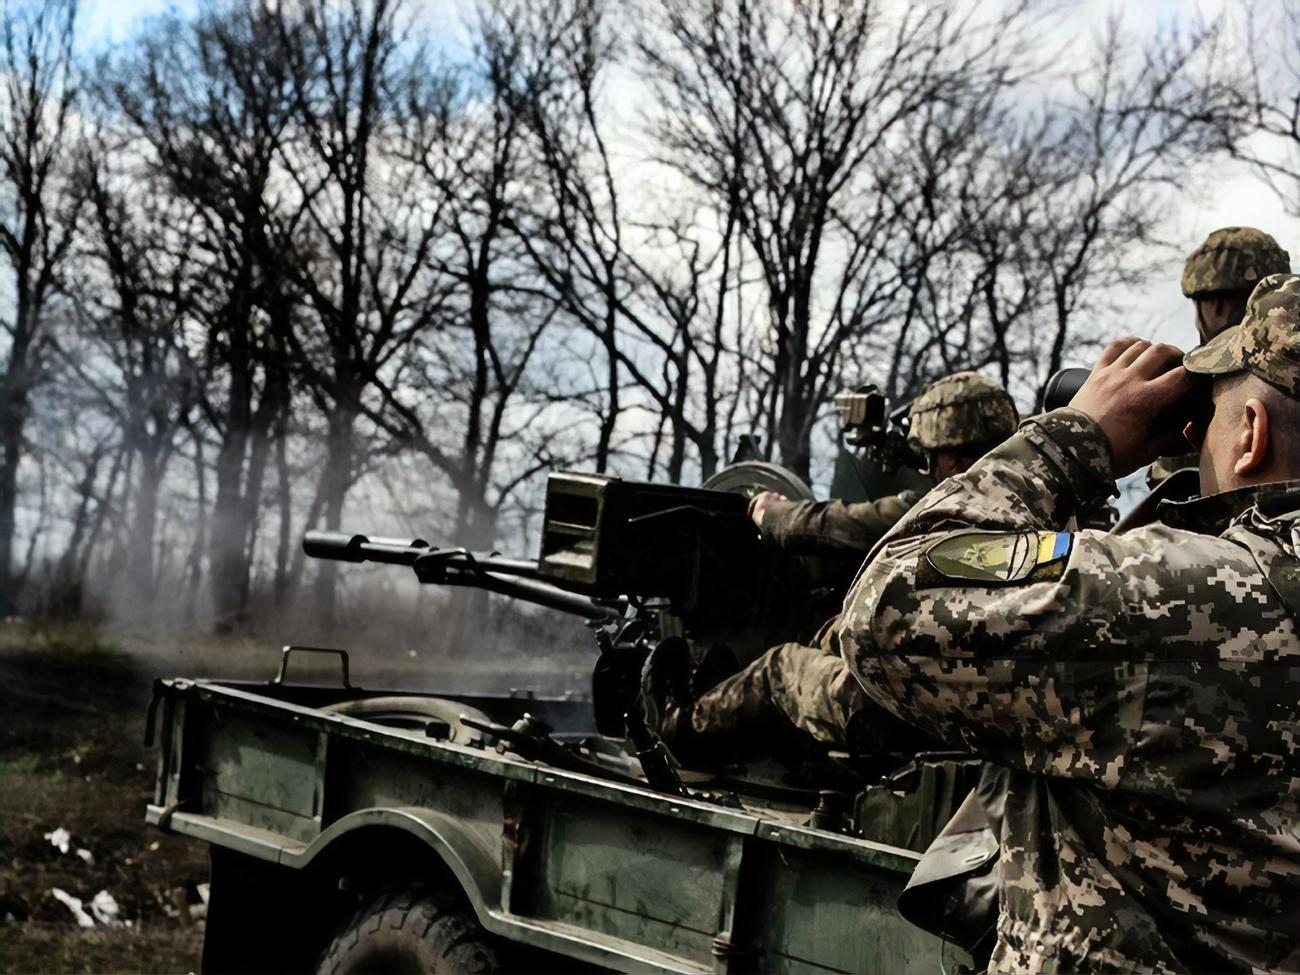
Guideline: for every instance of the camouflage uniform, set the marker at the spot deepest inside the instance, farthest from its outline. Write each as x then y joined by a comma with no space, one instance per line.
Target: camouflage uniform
832,527
810,687
807,685
1141,689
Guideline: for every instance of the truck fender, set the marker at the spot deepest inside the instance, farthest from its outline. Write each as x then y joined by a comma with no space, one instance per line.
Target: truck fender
468,855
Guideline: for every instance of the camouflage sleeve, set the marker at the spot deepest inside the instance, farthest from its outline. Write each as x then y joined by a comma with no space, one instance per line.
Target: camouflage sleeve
812,527
1049,675
807,686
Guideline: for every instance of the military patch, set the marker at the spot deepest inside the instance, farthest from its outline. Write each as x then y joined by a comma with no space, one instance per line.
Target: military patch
994,558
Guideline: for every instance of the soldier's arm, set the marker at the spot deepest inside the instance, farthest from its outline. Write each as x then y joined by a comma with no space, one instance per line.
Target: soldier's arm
1049,670
808,527
806,686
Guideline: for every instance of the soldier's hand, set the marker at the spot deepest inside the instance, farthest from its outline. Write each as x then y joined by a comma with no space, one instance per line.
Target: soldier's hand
759,504
1131,386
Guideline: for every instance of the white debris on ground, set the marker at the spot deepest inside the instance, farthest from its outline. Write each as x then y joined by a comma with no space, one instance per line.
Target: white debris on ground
61,840
73,904
200,910
104,908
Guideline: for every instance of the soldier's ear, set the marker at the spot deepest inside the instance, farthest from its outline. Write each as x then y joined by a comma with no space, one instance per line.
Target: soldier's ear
1252,439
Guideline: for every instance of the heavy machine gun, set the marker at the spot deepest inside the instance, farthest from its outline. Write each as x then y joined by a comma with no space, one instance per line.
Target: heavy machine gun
640,562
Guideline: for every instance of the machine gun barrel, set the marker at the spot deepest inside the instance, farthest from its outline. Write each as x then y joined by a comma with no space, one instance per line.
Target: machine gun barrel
517,578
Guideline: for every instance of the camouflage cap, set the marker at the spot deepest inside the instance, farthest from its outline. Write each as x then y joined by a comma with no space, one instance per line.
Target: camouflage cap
1233,259
1266,343
961,410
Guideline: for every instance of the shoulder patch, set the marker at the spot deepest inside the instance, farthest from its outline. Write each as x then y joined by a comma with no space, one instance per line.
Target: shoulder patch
995,558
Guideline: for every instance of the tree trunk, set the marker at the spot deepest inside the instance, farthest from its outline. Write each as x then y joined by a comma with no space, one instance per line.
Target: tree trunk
336,480
144,526
11,439
14,406
229,567
284,504
468,609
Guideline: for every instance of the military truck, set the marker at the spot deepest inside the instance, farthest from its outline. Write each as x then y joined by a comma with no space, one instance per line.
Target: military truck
362,830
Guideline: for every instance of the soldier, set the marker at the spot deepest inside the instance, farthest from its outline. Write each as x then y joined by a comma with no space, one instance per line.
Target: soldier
1218,277
1138,692
953,422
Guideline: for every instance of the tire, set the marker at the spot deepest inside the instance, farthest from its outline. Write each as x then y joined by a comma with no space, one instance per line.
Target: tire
409,931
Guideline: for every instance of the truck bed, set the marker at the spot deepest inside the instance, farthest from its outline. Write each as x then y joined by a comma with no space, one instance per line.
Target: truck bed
598,872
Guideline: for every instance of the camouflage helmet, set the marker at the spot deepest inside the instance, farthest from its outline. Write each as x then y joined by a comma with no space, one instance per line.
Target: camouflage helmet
961,410
1266,343
1233,259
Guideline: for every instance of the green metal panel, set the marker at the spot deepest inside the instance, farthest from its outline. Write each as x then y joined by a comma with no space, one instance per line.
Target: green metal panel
262,773
369,776
818,912
642,878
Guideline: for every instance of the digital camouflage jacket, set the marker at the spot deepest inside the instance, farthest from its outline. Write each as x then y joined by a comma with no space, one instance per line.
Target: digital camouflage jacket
831,527
1143,690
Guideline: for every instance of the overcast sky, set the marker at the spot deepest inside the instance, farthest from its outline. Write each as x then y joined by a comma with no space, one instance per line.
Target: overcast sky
1231,196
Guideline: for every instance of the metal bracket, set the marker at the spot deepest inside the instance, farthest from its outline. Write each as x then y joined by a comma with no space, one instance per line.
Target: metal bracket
152,715
284,662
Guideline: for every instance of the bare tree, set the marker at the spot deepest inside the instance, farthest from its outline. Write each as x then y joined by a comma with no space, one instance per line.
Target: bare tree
218,155
38,207
1143,118
368,233
131,352
471,405
1263,127
790,111
646,292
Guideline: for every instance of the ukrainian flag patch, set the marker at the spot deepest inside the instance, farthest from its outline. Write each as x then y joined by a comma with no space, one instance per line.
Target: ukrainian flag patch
1053,546
995,558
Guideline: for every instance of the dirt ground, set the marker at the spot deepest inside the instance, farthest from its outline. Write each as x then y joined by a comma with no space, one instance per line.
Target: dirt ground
72,758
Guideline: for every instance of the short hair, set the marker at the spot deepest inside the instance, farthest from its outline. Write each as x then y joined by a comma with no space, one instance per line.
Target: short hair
1283,415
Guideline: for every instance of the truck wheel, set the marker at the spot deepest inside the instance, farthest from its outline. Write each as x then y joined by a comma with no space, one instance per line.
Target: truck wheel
409,931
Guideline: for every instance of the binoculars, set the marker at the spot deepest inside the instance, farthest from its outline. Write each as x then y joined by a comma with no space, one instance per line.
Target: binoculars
1194,407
